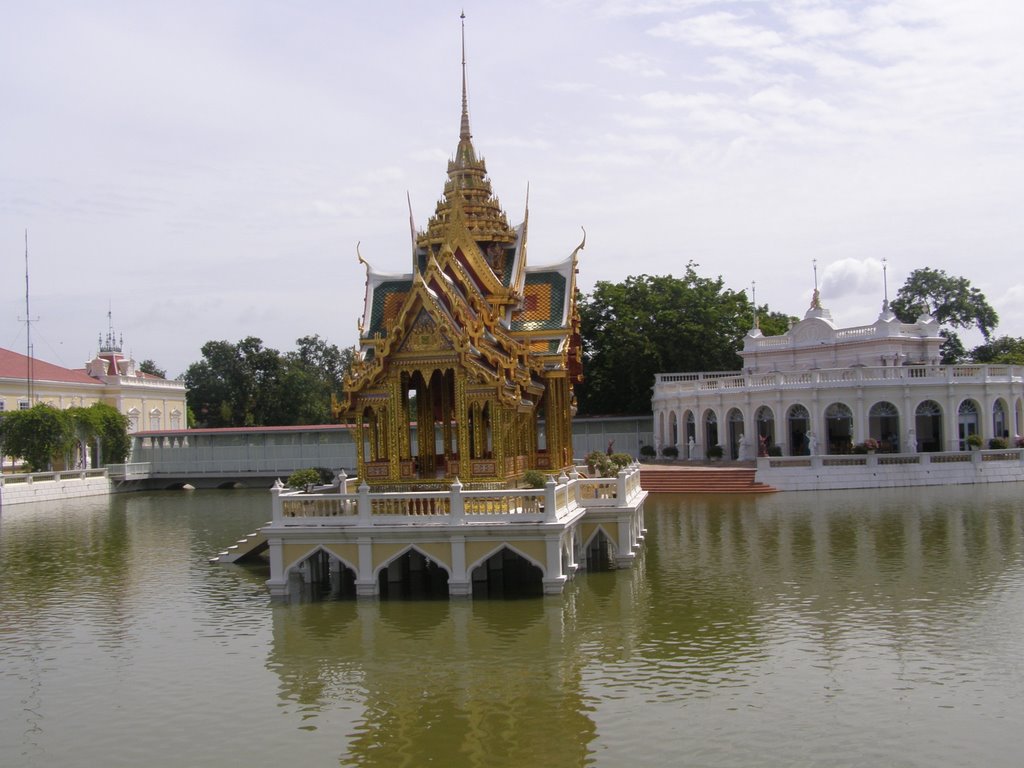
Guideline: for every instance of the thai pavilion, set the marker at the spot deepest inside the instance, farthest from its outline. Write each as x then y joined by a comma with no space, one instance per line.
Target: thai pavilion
463,382
467,363
821,389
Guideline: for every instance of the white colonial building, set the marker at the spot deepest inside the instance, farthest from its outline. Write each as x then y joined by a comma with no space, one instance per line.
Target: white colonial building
819,389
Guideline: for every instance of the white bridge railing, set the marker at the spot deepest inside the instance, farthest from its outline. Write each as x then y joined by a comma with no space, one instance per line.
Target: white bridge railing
561,499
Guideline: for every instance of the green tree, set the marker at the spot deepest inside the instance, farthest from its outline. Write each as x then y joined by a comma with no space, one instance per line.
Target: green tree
647,325
314,373
1006,350
150,367
247,384
37,435
952,301
105,425
235,385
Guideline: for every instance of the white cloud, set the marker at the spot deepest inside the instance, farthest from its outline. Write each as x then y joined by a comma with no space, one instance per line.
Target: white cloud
637,64
720,29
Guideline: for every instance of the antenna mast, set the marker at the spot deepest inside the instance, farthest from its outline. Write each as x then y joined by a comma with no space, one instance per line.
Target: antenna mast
29,365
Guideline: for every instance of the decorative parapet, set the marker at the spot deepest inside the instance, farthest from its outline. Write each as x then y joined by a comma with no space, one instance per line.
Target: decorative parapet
561,499
669,384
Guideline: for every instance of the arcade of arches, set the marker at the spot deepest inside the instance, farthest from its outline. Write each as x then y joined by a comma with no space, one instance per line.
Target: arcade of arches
925,425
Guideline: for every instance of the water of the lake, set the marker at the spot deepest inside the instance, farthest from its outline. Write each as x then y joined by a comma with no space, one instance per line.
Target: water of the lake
867,628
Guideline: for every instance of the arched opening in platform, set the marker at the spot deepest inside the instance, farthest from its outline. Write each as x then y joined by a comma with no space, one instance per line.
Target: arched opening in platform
412,576
322,576
507,575
600,552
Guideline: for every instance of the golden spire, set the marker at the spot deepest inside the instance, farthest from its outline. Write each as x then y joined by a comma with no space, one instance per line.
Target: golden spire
464,134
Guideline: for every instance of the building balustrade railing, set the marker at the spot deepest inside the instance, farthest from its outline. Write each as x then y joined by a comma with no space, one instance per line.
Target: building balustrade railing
668,384
345,505
888,459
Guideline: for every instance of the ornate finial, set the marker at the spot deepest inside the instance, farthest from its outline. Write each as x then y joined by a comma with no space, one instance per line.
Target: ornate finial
815,297
753,300
885,284
464,127
412,224
360,256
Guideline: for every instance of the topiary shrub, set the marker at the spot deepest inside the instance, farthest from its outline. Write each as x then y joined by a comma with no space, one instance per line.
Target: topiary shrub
670,452
620,461
774,450
999,443
599,463
974,441
715,452
300,478
534,479
648,451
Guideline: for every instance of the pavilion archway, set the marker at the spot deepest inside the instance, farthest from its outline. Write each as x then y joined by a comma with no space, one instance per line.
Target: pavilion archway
798,424
884,426
1000,419
928,427
839,428
710,429
968,422
764,423
734,419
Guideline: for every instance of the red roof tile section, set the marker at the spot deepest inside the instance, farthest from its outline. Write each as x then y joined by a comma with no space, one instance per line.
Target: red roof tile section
15,366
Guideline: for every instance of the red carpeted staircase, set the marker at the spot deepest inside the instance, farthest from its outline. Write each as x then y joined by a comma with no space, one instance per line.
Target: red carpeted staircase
701,480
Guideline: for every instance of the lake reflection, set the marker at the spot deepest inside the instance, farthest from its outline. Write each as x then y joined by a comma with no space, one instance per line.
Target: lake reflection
840,628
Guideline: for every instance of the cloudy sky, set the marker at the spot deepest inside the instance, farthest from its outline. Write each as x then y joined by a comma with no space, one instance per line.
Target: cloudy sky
205,168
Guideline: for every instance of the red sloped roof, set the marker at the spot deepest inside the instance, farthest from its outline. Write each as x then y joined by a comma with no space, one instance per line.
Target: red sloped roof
15,366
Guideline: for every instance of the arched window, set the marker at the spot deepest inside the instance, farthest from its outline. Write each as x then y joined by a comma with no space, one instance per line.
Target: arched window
839,428
175,419
154,419
133,419
798,424
884,426
928,426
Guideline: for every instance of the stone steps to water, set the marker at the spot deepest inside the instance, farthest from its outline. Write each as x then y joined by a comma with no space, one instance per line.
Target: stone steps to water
702,480
253,544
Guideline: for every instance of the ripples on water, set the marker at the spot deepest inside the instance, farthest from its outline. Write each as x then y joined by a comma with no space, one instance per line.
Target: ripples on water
861,628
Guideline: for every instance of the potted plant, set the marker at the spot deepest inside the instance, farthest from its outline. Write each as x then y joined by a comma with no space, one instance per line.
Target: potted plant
974,442
870,445
715,452
303,479
648,452
533,478
670,452
998,443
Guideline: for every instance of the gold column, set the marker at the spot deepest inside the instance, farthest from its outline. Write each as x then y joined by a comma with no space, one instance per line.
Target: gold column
446,416
462,425
425,428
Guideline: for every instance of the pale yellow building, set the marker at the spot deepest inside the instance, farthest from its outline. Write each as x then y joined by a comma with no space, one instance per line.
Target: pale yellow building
149,402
